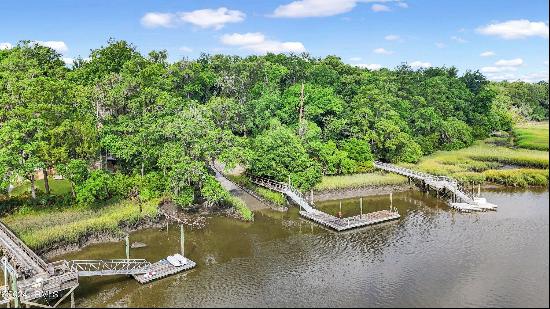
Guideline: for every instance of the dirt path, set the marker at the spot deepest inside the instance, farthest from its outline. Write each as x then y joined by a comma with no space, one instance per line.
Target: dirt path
252,202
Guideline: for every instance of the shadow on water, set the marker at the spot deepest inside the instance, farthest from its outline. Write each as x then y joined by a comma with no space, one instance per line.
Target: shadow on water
432,256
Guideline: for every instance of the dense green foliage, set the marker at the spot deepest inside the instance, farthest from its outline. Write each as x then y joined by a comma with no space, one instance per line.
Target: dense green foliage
280,116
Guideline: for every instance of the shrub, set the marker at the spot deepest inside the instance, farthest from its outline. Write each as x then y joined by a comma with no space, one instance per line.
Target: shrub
518,177
240,206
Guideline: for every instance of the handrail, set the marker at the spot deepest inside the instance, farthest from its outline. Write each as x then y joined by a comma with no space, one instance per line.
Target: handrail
26,250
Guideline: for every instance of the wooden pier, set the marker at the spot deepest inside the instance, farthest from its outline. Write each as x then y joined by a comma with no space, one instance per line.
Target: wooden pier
307,211
162,269
343,224
28,279
444,187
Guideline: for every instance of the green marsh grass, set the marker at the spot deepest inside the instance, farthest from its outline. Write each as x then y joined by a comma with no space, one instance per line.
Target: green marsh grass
532,136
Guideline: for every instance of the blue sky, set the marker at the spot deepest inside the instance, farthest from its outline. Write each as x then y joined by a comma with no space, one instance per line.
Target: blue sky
511,34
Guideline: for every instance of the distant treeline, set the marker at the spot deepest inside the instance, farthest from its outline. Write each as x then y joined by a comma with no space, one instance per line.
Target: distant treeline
277,115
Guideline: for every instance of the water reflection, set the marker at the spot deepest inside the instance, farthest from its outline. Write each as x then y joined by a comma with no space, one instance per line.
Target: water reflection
432,256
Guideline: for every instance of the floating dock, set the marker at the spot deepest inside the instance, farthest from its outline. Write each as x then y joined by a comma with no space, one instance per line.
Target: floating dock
343,224
162,269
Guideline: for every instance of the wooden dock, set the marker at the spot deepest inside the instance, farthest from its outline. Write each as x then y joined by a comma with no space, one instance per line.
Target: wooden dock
307,211
343,224
445,187
162,269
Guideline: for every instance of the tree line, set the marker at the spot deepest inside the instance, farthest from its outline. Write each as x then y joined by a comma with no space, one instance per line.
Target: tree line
280,116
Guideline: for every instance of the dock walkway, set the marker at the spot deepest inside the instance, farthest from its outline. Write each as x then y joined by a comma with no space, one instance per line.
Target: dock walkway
309,212
460,199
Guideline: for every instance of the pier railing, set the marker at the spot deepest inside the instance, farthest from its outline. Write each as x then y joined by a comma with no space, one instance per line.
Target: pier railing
86,268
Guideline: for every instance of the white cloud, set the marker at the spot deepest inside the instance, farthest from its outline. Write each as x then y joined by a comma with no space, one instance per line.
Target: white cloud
535,77
209,18
186,49
380,8
314,8
392,37
420,64
355,58
58,46
256,42
403,5
516,29
370,66
68,60
532,77
323,8
487,53
153,20
382,51
509,63
458,39
5,45
497,69
440,45
249,38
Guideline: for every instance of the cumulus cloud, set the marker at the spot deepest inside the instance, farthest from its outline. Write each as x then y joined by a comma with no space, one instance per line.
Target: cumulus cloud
440,45
68,60
516,29
370,66
154,20
249,38
380,8
314,8
382,51
403,5
206,18
392,37
487,53
58,46
458,39
209,18
532,77
5,45
509,63
496,69
355,58
420,64
323,8
258,43
186,49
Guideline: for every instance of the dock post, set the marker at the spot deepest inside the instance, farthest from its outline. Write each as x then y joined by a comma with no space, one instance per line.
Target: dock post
182,240
72,299
361,205
391,200
478,189
127,247
311,196
289,184
16,300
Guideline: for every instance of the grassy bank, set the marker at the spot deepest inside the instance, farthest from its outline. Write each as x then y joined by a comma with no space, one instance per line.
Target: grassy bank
269,195
57,187
355,181
42,228
532,136
521,161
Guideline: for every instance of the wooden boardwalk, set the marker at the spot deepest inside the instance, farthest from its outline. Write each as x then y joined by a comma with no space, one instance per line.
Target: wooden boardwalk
343,224
162,269
307,211
460,199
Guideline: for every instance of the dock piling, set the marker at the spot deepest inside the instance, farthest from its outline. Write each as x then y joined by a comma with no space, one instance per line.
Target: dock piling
361,205
182,240
127,239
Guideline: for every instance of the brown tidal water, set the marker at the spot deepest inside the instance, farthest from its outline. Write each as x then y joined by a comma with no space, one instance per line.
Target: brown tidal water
433,256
